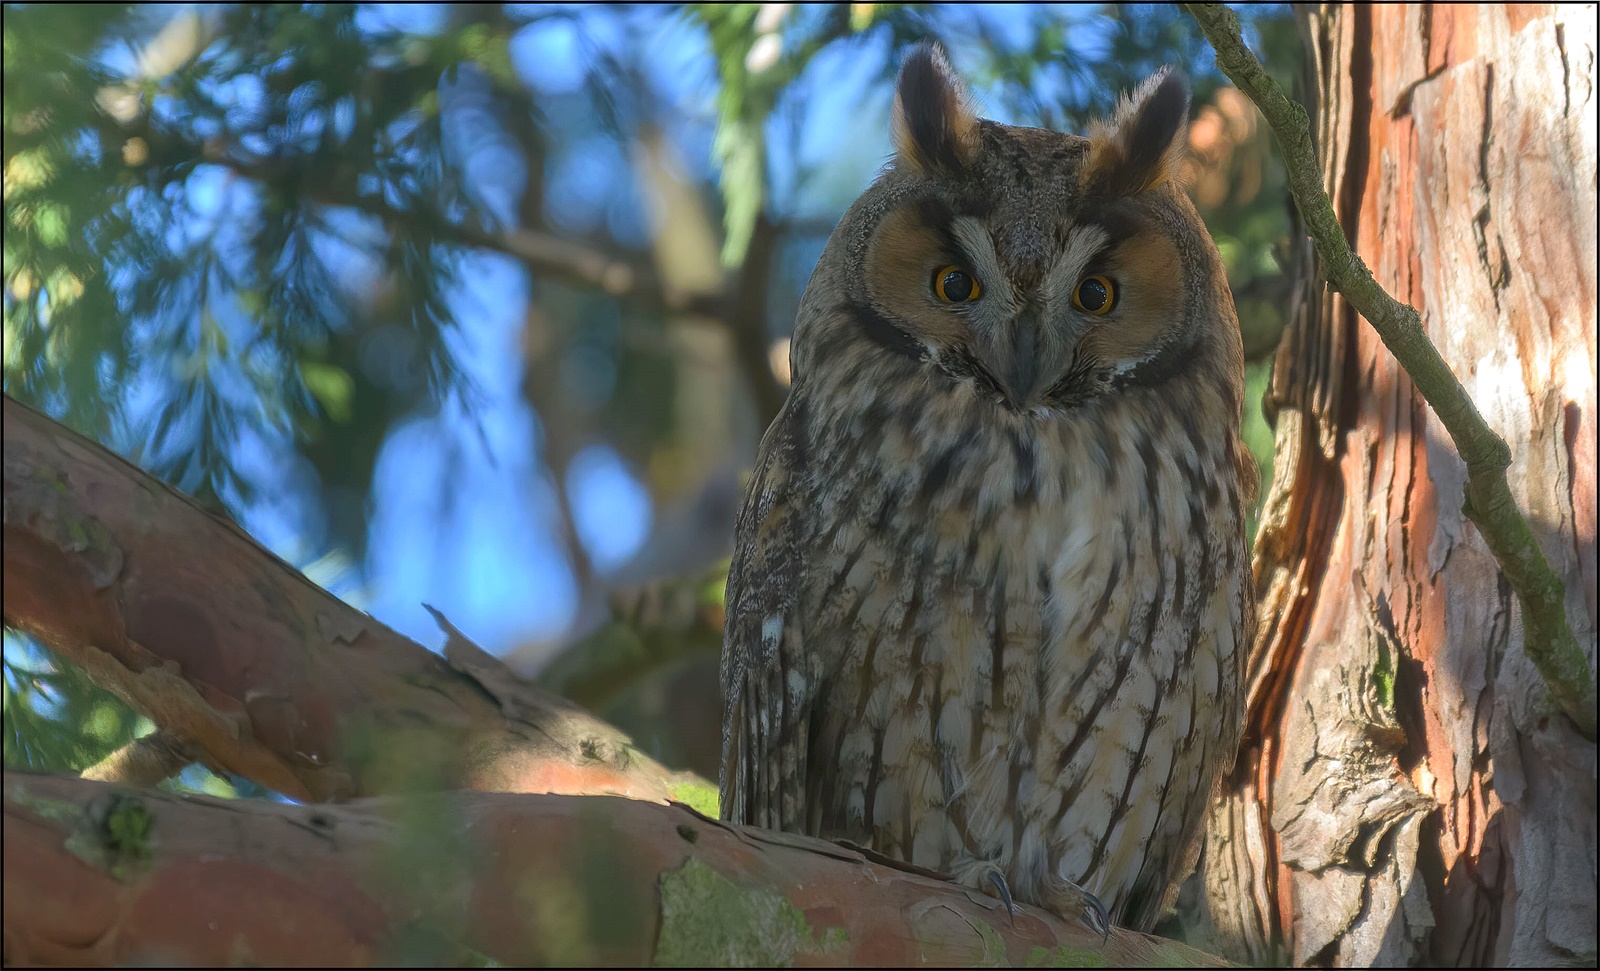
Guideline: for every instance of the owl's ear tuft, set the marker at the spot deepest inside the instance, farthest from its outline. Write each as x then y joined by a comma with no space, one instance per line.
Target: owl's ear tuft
935,129
1143,144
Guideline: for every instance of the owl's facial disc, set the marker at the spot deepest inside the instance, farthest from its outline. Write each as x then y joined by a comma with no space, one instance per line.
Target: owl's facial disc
1037,264
1044,316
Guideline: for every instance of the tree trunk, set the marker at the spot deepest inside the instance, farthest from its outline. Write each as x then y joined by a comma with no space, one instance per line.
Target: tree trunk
1407,793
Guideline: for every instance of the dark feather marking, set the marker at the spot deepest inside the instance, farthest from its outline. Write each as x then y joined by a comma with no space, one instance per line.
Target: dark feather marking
938,474
889,501
997,636
1126,802
822,782
868,680
929,99
960,363
935,214
1163,112
975,732
918,669
1013,780
1152,485
881,331
1084,380
1026,467
907,837
1103,602
1179,590
1050,635
1123,664
874,775
1173,359
978,205
836,585
1087,723
1119,222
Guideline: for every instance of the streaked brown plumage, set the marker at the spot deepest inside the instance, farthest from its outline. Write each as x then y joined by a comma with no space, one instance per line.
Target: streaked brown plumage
990,595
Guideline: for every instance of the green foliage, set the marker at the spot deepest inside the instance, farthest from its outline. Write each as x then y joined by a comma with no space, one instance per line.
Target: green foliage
55,719
1257,434
756,58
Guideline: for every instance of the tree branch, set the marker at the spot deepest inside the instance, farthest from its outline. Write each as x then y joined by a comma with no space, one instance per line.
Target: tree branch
1548,639
102,876
144,761
194,624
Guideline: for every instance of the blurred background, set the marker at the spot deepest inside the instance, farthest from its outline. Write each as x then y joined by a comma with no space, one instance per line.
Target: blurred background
486,306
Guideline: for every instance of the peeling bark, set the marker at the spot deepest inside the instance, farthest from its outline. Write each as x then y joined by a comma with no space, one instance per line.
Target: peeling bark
98,876
1407,785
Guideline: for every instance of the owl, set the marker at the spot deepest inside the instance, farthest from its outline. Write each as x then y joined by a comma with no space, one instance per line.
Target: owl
990,596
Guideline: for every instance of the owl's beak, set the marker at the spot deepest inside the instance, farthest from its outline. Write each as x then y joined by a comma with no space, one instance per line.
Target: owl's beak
1018,361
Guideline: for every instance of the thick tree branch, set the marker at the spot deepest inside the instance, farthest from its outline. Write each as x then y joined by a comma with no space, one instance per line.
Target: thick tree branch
102,876
1548,641
191,622
144,761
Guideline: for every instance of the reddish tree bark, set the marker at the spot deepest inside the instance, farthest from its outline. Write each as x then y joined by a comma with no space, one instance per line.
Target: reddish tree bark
194,624
101,876
1407,793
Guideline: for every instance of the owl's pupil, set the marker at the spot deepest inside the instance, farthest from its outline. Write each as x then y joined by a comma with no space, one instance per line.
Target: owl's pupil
1092,295
957,286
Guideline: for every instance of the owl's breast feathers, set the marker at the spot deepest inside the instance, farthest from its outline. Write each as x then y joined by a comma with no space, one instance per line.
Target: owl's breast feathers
965,635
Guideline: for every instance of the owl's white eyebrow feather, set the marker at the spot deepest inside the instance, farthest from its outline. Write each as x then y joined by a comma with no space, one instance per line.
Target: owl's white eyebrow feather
979,247
1083,242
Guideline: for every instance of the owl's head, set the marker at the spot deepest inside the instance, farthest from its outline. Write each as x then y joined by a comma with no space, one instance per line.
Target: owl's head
1044,269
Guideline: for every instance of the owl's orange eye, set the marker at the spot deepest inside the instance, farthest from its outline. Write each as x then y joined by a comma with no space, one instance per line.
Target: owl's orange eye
952,284
1095,294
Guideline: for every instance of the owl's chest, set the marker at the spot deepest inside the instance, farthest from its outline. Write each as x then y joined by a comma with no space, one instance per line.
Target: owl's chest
964,551
1004,632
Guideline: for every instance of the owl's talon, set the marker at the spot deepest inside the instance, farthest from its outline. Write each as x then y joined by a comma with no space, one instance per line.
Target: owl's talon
1004,890
1072,902
1095,915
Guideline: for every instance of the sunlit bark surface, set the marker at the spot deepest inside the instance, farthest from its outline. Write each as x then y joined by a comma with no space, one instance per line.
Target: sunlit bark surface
1407,794
100,876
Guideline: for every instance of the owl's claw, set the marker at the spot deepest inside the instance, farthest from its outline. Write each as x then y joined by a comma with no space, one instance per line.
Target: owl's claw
1075,903
1095,915
1004,891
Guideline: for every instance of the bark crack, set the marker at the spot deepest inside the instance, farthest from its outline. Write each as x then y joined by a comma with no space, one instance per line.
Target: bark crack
1499,276
1566,71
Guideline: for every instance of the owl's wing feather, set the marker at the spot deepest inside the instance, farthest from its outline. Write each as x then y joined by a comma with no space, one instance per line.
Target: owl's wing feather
766,696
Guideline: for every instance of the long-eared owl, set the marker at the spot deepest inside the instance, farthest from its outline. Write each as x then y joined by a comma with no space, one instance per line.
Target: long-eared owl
990,596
